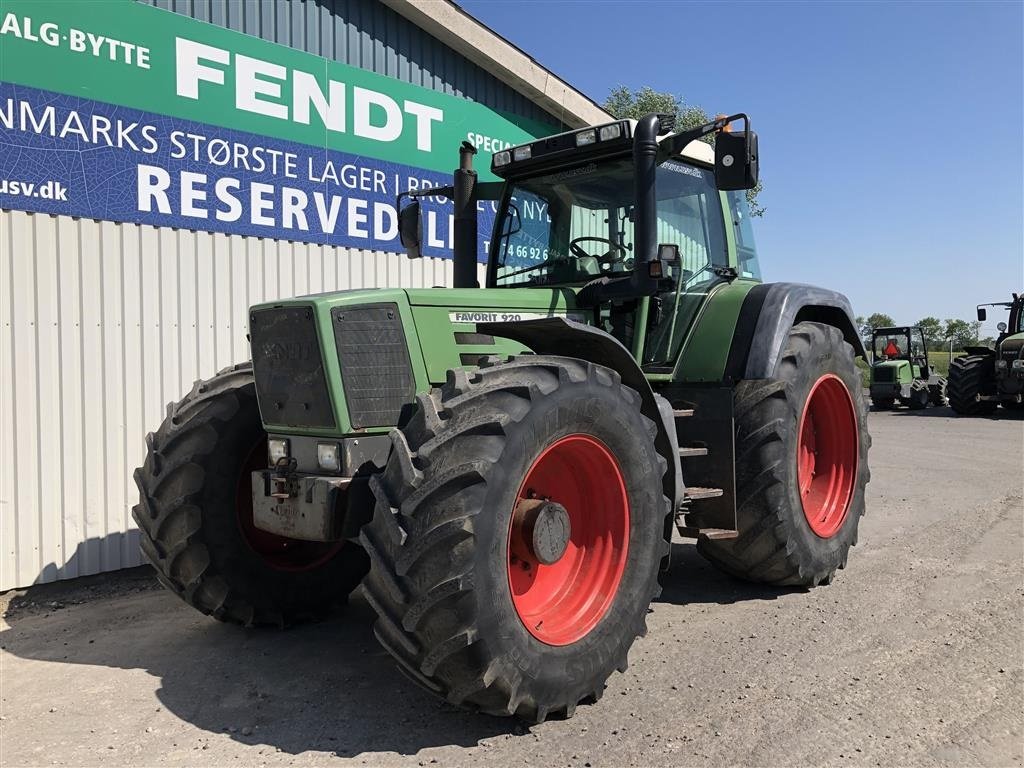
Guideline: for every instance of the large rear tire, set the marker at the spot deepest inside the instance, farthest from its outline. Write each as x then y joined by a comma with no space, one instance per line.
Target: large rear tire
195,516
970,376
467,606
801,465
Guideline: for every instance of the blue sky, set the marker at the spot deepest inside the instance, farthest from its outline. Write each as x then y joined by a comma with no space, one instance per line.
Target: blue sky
890,134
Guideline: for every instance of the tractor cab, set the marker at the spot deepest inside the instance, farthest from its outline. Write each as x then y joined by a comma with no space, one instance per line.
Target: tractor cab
1015,324
900,369
900,348
631,226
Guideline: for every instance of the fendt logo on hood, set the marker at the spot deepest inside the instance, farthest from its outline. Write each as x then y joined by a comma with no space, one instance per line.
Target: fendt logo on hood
278,352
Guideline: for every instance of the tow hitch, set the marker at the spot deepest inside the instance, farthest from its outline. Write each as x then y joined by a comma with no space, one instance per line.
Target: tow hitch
306,507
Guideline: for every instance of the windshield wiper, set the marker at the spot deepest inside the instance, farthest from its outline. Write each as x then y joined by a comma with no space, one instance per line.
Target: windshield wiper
539,265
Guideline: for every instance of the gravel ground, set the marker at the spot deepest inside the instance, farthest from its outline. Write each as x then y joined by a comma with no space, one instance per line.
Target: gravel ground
914,656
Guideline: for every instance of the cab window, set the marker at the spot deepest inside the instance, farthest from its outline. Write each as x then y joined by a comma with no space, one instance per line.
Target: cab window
743,231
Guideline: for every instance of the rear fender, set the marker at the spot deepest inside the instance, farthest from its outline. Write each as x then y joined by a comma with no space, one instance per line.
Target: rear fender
970,350
768,313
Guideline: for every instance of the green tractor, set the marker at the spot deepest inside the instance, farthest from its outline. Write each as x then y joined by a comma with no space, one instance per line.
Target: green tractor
985,378
501,467
900,370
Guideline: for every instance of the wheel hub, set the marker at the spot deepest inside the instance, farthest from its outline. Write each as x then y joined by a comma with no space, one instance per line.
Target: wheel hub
568,539
543,527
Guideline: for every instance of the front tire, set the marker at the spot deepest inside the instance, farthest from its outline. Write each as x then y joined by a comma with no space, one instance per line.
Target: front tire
801,465
919,396
195,515
970,376
452,577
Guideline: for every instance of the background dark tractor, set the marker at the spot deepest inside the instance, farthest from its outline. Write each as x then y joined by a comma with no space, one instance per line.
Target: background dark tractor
502,467
900,370
985,378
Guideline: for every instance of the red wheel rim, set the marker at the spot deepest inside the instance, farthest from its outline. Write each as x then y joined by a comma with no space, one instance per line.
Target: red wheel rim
561,602
827,455
279,552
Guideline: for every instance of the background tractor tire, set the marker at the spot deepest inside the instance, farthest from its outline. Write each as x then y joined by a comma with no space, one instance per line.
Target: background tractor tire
938,394
919,395
195,515
815,404
457,608
969,376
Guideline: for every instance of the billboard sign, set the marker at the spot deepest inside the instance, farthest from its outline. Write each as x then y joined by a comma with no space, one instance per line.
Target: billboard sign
119,111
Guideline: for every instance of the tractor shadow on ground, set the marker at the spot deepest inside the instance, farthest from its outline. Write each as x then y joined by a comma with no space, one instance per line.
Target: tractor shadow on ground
692,580
1000,414
326,687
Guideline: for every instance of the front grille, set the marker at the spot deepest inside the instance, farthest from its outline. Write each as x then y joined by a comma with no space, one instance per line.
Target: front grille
375,368
290,383
885,375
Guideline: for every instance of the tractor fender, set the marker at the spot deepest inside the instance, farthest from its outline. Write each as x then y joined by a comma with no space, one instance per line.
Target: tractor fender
973,350
568,338
766,316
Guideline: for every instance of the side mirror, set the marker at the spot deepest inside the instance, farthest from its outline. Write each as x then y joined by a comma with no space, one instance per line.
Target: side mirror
410,229
982,314
668,252
736,160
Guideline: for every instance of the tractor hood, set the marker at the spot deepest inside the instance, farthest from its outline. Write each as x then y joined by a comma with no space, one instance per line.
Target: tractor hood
1012,347
350,362
446,320
548,300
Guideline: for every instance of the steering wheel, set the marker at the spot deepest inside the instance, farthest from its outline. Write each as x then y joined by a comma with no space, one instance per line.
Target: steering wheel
615,254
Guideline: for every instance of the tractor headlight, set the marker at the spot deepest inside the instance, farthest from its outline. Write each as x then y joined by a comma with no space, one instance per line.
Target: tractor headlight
502,158
1001,365
1018,364
277,449
327,457
586,138
608,132
522,153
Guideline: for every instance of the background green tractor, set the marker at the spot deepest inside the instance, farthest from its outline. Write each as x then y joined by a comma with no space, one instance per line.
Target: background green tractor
501,468
900,370
985,378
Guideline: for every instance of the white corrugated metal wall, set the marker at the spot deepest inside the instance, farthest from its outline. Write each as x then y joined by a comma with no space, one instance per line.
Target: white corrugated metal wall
103,324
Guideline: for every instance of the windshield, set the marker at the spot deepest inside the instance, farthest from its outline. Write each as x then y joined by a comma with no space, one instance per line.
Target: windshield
570,227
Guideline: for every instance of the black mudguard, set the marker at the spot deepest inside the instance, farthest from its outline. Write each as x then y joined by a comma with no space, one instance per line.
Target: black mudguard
979,350
769,311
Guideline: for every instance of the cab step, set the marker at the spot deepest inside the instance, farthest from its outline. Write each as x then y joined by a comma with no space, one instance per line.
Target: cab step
682,413
695,493
693,450
711,533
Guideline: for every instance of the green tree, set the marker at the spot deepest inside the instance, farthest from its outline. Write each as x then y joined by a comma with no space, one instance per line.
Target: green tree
876,320
934,333
962,332
625,103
